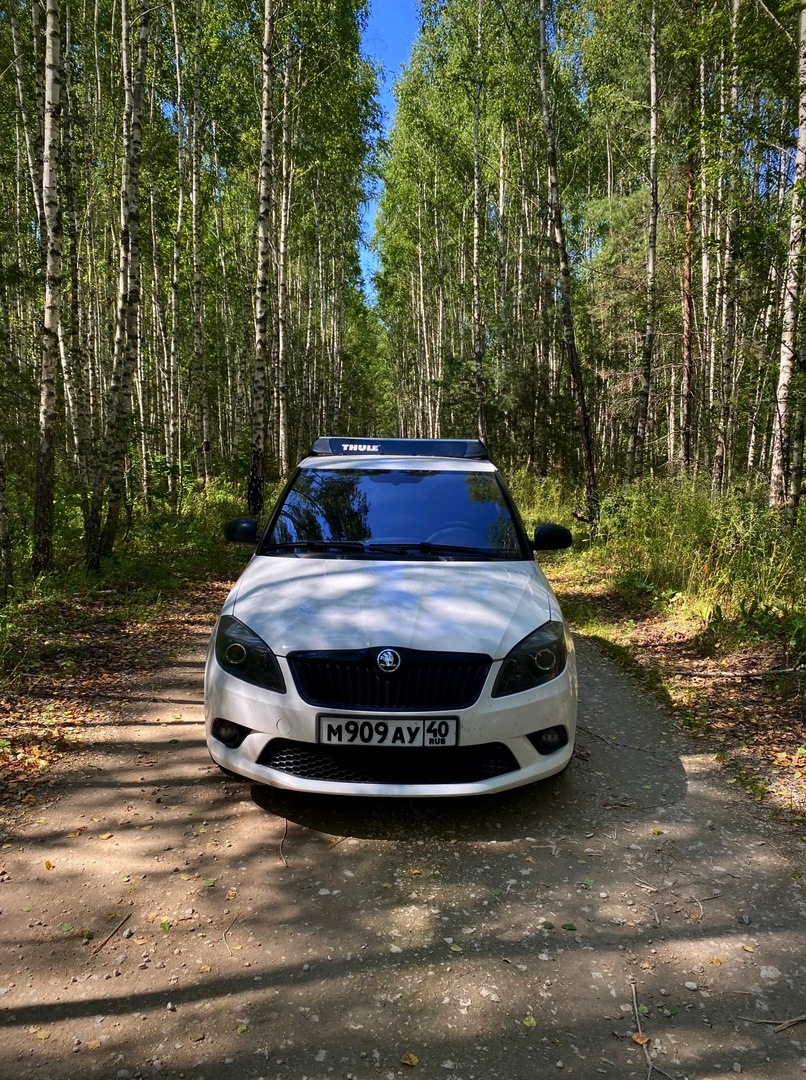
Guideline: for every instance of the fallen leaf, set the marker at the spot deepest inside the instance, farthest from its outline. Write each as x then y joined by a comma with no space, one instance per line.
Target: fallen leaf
456,948
209,883
205,968
43,1034
242,1029
409,1059
105,836
49,865
569,926
529,1021
166,924
640,1039
748,948
715,961
94,1044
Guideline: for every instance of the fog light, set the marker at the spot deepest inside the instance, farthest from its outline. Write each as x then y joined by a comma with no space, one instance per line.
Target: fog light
549,740
229,734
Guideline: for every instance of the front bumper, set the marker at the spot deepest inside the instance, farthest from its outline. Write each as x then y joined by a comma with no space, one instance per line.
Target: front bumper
494,753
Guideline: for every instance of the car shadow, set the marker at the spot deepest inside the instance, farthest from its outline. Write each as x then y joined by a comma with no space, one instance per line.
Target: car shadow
626,761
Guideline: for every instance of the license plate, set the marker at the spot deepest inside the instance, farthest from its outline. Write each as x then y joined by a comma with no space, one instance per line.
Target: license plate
388,731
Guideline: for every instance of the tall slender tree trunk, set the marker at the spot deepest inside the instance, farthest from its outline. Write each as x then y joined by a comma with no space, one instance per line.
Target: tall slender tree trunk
727,293
283,336
478,328
42,560
583,417
172,378
6,553
256,482
72,352
780,493
110,473
201,393
637,446
687,373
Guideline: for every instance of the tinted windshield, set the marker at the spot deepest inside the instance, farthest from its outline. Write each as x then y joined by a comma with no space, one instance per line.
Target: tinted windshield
413,513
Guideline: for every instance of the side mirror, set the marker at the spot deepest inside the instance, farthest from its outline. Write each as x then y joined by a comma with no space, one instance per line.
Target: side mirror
549,537
241,531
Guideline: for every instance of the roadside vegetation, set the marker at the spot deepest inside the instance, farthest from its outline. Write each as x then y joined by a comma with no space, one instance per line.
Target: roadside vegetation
704,600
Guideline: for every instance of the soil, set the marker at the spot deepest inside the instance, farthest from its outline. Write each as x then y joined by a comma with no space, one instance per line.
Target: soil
637,916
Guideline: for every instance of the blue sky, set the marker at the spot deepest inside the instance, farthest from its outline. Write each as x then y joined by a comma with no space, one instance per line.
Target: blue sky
390,33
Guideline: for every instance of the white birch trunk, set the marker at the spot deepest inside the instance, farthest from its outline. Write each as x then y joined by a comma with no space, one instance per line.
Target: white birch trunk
779,493
42,560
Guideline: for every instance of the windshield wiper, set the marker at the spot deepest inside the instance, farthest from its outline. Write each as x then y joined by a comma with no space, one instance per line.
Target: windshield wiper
425,547
315,545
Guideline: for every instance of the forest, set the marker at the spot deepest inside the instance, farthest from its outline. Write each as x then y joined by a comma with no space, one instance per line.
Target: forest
590,248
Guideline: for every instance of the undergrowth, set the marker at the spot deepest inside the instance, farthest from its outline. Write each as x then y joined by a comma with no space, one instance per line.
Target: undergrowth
47,620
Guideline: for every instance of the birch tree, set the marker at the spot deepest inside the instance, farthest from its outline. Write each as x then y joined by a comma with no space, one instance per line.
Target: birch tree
257,464
781,495
42,561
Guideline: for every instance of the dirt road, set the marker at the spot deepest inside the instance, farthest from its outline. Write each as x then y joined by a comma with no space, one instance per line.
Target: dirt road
240,932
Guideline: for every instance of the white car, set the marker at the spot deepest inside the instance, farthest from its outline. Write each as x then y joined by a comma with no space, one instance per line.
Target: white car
392,635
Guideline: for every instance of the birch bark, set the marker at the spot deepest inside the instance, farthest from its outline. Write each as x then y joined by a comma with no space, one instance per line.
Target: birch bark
780,495
42,560
256,482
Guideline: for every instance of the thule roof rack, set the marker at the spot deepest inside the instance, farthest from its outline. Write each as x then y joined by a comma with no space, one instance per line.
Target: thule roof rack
455,448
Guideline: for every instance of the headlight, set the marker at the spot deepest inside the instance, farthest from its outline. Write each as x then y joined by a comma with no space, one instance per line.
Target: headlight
241,653
537,659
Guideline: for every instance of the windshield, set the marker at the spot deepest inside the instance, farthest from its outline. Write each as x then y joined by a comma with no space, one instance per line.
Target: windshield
402,512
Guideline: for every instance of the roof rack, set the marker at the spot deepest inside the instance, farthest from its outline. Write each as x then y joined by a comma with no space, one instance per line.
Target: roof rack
454,448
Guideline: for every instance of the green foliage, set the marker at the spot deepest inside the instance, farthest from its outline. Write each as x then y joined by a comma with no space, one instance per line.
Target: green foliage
732,555
540,499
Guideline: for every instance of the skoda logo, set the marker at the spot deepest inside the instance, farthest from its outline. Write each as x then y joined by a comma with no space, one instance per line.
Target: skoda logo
388,661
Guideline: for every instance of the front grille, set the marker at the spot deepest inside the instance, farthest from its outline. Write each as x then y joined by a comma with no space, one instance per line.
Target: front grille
424,681
373,765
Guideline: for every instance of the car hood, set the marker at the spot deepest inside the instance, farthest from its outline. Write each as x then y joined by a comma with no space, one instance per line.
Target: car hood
352,604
